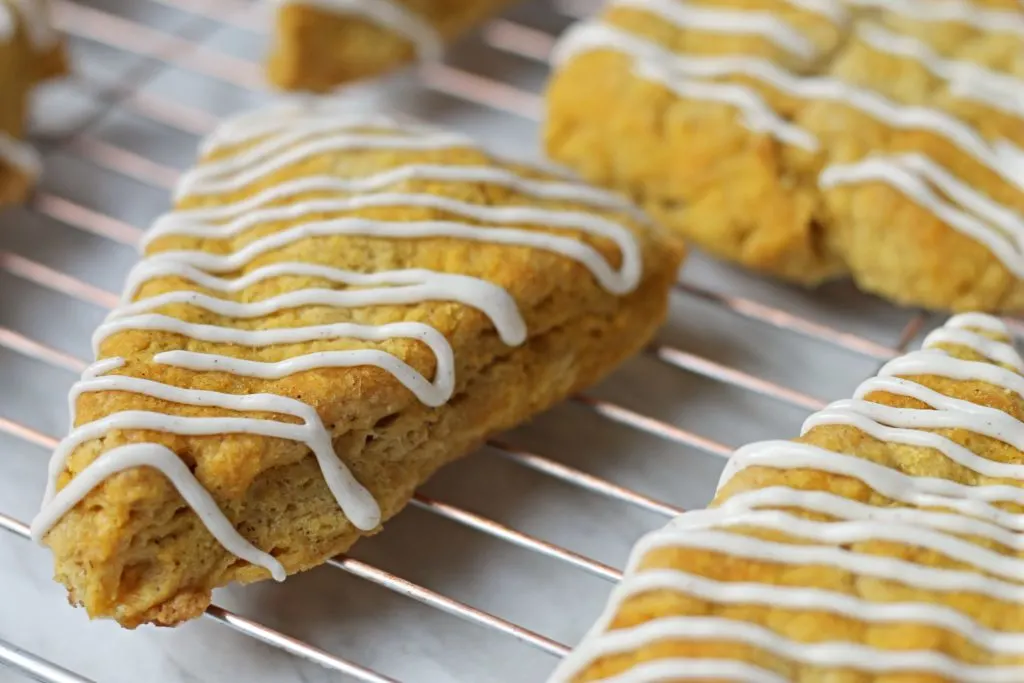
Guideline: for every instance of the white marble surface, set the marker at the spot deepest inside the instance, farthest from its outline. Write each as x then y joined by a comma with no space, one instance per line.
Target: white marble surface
340,613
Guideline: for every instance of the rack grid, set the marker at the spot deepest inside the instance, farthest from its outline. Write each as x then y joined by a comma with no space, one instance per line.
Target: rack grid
740,358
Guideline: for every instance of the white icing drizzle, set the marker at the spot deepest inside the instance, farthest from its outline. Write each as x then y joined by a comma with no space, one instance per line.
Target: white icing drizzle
695,669
937,514
356,501
966,79
764,24
408,287
976,321
387,14
996,226
198,219
677,72
799,598
221,177
846,655
682,75
431,393
952,11
167,462
570,220
539,189
833,10
274,146
280,117
20,155
618,281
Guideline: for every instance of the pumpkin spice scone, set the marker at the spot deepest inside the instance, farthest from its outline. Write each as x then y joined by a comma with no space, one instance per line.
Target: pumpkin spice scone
813,139
321,44
336,307
883,545
30,51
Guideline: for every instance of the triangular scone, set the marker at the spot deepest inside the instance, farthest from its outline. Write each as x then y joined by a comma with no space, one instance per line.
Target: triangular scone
30,51
356,298
884,544
812,139
321,44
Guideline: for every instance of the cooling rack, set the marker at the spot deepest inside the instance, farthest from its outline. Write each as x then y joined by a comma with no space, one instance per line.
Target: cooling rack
503,560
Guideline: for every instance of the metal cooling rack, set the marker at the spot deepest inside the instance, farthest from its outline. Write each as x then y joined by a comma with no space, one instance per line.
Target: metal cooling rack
505,558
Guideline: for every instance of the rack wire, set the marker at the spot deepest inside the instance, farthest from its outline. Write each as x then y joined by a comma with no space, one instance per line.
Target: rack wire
782,328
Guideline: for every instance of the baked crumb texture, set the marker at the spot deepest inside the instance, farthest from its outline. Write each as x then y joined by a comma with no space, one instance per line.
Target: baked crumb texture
336,307
321,44
813,139
883,545
30,52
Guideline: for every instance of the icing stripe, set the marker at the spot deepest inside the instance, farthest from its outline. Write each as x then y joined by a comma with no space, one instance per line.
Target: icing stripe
226,177
993,225
833,10
431,393
699,669
538,189
966,79
858,531
974,501
620,281
573,220
862,564
703,18
299,114
801,598
839,507
952,11
828,653
411,287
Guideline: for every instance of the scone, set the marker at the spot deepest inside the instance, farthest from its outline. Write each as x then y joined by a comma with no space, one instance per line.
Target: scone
882,545
30,51
321,44
337,307
813,139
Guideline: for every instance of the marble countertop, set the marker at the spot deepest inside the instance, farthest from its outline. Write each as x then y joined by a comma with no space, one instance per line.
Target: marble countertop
102,108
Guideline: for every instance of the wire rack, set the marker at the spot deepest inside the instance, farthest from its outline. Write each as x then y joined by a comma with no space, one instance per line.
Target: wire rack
503,559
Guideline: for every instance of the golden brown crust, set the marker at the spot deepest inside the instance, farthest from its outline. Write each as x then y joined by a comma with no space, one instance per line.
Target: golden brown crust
747,197
834,624
317,49
148,558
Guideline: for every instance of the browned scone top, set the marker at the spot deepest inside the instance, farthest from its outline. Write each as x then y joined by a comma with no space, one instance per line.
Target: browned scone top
813,139
321,44
30,51
882,546
281,230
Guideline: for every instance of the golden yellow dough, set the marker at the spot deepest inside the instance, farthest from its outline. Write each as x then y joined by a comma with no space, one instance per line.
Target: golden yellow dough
833,626
22,66
747,197
132,550
319,48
